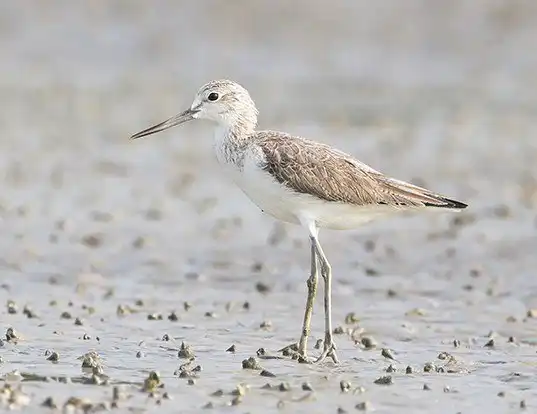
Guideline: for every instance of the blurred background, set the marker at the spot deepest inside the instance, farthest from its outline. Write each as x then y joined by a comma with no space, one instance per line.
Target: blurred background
440,93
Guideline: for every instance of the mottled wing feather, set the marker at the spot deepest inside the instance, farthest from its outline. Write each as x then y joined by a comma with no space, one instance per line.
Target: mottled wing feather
312,168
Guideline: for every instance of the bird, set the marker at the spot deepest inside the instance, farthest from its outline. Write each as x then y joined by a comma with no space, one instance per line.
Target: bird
299,181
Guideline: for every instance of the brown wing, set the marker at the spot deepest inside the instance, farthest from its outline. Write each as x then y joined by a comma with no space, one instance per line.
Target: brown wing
312,168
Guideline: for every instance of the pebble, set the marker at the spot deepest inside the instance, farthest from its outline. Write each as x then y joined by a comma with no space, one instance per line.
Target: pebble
185,351
429,367
363,406
351,318
306,386
344,386
265,325
251,363
11,307
490,343
53,357
386,380
387,353
11,336
368,342
391,368
262,288
65,315
284,386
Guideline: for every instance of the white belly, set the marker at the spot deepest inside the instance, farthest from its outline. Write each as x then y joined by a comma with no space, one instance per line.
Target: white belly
278,201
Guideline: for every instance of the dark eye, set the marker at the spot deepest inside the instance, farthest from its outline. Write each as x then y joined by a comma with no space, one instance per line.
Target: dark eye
213,96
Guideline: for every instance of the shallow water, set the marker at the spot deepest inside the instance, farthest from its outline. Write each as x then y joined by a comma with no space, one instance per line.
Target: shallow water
439,95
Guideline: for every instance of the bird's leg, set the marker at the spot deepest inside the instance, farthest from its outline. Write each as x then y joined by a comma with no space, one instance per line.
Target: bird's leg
312,291
329,347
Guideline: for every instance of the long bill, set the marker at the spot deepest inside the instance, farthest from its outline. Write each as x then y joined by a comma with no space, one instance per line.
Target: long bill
181,118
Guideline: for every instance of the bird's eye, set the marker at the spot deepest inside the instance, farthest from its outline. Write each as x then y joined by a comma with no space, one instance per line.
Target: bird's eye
213,96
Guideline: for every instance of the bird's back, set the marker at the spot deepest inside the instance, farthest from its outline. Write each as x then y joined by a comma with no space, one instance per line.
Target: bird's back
309,167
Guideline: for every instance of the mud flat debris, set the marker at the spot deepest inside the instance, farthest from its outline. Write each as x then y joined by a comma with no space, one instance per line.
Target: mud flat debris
187,371
12,397
289,350
65,315
265,373
385,380
262,288
262,353
52,356
251,363
306,386
284,387
11,335
344,386
265,325
387,353
123,310
429,367
351,318
339,330
186,351
531,313
12,308
368,342
152,382
28,312
92,240
172,317
240,390
363,406
49,403
218,393
91,360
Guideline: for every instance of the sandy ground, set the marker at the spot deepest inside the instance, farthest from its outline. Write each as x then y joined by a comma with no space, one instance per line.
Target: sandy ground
121,234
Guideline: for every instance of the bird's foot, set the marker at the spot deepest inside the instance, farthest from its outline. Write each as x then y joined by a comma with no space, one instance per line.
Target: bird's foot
329,350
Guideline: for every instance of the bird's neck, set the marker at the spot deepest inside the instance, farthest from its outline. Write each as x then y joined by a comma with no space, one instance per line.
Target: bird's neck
230,142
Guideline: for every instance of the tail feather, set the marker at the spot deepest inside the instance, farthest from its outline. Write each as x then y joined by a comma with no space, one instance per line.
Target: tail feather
447,203
414,195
